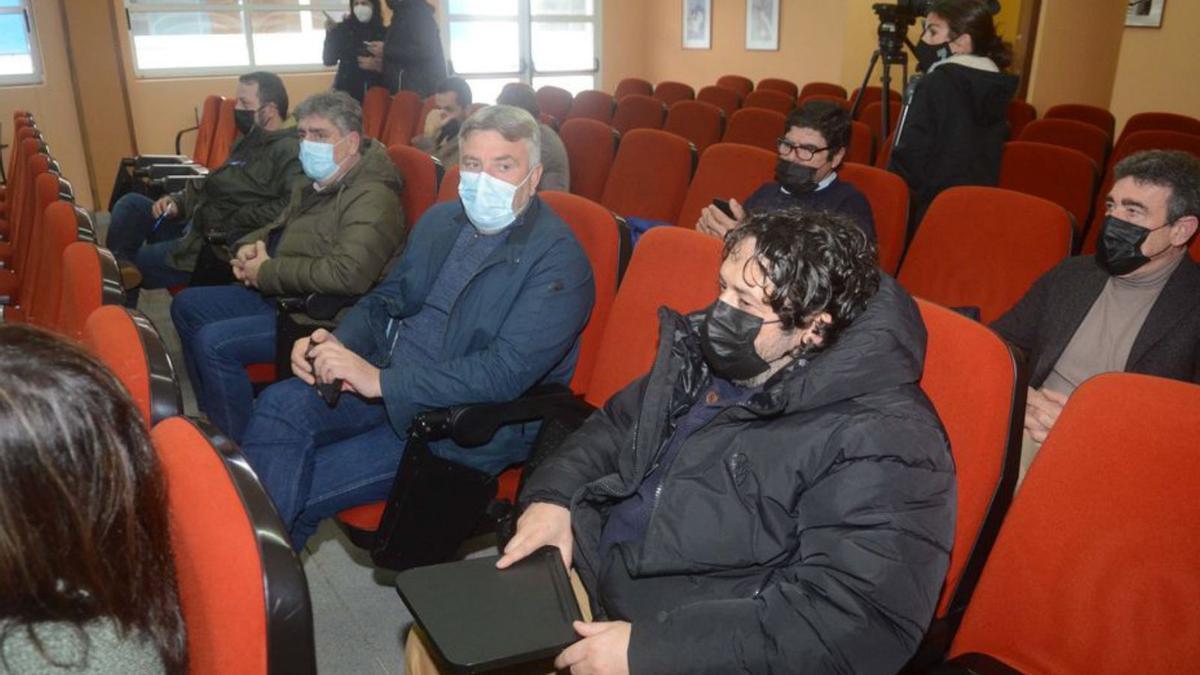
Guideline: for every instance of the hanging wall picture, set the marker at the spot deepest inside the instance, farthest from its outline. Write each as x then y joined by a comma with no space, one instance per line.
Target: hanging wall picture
697,24
1147,13
762,24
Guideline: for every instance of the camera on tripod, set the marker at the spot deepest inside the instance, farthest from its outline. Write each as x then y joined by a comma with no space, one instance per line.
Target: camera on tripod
894,21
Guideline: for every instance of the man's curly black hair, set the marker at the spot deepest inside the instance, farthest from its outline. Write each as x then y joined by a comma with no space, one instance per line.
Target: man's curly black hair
815,261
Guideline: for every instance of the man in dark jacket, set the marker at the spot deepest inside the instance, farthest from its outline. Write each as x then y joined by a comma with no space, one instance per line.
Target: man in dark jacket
777,495
411,51
488,299
811,149
338,235
246,192
1133,307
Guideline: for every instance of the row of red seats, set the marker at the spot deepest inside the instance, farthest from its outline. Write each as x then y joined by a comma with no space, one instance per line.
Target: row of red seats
973,381
242,590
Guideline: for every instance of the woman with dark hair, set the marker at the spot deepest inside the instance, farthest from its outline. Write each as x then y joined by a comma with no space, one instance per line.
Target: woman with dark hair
87,577
411,52
955,119
346,45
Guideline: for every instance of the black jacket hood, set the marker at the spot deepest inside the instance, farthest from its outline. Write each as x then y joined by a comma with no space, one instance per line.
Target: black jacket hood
883,348
988,92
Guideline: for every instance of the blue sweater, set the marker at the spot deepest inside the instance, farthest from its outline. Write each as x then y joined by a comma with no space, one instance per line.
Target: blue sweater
838,197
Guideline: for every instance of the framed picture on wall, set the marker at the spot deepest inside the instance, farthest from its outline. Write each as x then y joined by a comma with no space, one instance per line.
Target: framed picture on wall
762,24
697,24
1147,13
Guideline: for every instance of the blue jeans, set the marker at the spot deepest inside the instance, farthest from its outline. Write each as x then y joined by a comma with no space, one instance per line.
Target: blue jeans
133,238
223,329
315,461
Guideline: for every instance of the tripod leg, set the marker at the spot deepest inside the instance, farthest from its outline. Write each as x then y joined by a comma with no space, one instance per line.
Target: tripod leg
866,78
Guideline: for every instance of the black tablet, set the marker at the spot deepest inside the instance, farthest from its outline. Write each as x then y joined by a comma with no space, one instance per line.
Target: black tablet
478,617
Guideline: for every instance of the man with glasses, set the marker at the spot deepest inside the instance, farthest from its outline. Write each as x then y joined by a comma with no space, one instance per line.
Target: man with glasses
810,151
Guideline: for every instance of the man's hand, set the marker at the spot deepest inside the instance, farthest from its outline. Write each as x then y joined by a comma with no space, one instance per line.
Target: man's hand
713,221
334,361
542,524
434,122
301,368
164,205
372,63
252,264
244,253
1042,408
604,649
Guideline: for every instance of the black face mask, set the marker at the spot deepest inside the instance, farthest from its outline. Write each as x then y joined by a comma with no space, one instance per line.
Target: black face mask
795,178
727,339
244,120
928,54
1119,249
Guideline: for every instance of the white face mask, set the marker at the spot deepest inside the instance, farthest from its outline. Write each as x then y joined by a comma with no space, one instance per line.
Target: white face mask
488,201
363,13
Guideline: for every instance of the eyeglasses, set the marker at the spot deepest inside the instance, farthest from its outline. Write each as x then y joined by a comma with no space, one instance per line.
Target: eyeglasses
802,152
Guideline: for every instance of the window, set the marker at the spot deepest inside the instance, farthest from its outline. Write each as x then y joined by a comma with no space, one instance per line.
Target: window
539,42
19,60
188,37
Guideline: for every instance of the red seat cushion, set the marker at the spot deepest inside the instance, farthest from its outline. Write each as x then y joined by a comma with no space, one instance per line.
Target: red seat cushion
365,517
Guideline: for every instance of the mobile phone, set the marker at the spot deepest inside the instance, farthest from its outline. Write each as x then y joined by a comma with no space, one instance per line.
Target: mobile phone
723,205
329,391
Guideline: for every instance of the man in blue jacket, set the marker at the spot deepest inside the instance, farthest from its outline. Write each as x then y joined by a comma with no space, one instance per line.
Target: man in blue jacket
488,300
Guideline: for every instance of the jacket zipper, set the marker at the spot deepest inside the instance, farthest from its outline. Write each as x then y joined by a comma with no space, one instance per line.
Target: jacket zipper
662,483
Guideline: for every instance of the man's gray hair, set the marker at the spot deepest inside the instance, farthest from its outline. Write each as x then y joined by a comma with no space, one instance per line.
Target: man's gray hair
336,106
512,123
1172,169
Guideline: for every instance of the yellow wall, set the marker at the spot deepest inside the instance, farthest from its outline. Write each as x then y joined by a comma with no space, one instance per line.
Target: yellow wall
52,102
104,123
810,43
1158,69
1078,44
623,39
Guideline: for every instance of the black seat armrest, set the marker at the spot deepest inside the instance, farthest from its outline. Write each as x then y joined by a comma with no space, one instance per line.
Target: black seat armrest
172,184
157,171
142,161
318,306
473,425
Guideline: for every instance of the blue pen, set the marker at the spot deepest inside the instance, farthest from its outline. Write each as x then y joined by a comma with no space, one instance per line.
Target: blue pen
158,222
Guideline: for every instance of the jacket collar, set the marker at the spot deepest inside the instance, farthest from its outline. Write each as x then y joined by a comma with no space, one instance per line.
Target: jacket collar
884,347
519,235
1179,298
970,61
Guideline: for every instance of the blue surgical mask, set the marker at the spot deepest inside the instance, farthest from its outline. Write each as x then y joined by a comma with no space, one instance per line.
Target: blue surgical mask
317,159
488,201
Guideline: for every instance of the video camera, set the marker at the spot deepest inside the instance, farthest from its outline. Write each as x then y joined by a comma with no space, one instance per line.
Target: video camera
895,19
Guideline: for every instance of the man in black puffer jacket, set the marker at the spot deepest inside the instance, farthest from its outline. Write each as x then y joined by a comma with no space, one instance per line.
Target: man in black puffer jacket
777,495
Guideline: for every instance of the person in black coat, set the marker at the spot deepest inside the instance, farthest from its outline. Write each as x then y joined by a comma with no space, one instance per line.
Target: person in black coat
954,123
411,51
777,494
346,45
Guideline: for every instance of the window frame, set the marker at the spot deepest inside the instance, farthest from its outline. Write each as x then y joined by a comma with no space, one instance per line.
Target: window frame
25,8
243,7
525,18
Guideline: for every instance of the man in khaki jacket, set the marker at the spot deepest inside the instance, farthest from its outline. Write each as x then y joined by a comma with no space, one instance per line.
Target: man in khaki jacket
338,235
